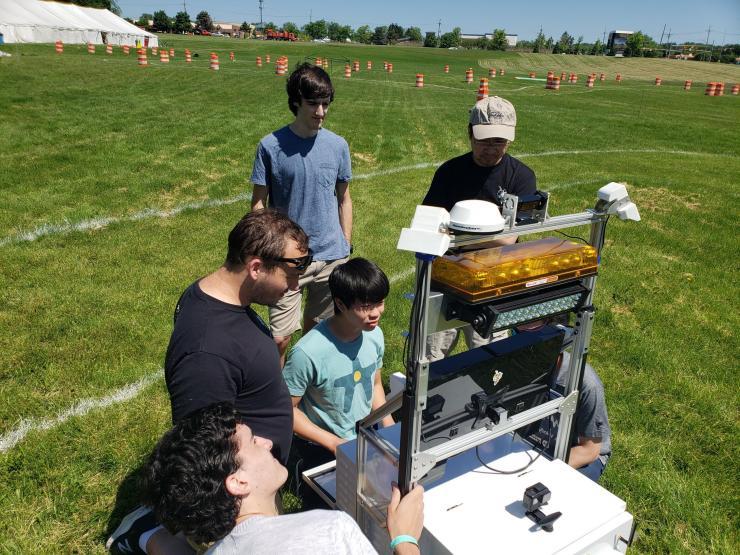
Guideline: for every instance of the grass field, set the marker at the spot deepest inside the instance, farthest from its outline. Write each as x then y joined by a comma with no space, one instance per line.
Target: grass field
119,184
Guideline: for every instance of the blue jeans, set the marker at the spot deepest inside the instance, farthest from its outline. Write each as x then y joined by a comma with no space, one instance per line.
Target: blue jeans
593,470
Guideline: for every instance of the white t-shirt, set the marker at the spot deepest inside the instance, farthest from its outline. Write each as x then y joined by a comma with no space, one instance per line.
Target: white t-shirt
309,533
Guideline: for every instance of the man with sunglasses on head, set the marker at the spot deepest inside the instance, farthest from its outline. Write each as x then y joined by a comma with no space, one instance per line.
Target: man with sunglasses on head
480,174
303,170
220,350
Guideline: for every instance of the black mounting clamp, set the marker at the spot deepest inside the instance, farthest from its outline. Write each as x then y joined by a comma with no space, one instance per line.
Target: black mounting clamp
536,496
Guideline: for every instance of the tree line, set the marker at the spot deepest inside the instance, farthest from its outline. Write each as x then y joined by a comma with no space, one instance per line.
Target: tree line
638,44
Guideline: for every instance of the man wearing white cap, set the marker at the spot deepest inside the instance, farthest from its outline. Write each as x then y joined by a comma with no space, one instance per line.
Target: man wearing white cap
479,174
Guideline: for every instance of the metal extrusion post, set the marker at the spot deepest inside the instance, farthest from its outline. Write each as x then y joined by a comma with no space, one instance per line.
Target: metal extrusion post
582,331
417,375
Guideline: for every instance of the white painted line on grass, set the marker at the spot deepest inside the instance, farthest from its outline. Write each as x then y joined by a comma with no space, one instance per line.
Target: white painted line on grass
401,275
391,171
81,408
103,221
97,223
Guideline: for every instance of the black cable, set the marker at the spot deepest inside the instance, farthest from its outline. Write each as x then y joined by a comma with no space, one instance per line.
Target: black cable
496,471
573,237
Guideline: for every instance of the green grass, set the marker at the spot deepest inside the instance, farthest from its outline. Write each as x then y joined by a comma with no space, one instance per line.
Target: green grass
84,313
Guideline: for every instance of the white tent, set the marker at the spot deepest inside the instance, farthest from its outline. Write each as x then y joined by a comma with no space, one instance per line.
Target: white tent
40,21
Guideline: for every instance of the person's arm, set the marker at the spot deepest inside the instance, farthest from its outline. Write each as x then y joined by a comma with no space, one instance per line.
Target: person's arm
310,431
406,518
379,398
345,210
586,452
259,197
260,177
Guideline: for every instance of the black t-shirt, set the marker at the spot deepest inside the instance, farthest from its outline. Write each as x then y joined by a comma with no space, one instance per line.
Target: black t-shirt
462,179
223,352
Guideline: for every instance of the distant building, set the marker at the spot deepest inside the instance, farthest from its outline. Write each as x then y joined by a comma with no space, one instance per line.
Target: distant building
231,29
511,40
617,43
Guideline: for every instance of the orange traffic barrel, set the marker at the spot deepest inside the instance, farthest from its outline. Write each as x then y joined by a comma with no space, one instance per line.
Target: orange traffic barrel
259,61
214,62
267,58
231,56
720,89
58,47
658,81
447,68
532,75
602,77
687,85
492,72
553,83
141,57
172,53
419,80
154,51
390,67
126,49
90,48
385,65
369,65
188,56
347,71
590,81
319,62
563,76
109,49
356,66
618,78
469,75
735,89
482,89
501,72
164,57
711,89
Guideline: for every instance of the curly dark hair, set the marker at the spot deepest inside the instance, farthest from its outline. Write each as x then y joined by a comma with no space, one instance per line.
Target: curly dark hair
263,233
184,479
309,82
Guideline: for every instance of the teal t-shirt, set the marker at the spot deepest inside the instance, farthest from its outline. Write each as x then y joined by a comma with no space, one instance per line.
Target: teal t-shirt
335,379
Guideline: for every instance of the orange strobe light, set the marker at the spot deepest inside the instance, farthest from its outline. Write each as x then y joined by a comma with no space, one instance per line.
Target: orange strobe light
488,274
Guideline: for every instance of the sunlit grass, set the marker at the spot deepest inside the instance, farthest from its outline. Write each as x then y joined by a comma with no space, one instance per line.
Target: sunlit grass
82,313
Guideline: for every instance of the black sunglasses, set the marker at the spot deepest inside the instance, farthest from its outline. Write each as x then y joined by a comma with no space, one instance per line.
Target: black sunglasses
300,263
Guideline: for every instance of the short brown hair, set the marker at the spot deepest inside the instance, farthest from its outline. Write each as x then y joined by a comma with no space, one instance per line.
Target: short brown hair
263,233
308,82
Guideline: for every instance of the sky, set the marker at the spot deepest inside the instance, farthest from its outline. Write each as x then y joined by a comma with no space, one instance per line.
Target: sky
685,20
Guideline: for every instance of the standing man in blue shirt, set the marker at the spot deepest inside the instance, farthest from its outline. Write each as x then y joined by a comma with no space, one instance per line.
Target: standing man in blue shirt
303,171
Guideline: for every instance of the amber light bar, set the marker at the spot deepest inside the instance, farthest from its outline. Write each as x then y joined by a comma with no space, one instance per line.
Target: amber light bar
486,274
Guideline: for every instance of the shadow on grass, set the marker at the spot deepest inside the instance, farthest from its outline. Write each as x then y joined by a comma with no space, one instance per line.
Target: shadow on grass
127,499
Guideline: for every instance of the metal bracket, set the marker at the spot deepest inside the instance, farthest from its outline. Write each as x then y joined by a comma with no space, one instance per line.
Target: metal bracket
570,403
421,465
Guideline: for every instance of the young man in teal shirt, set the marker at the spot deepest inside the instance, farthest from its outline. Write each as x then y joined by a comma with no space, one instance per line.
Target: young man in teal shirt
334,371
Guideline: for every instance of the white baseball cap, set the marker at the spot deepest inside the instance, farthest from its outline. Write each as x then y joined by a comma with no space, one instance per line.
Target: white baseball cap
493,117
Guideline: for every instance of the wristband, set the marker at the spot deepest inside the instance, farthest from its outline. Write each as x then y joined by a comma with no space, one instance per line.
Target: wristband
403,538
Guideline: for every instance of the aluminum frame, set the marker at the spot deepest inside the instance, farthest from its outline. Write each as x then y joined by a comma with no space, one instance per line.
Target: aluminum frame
415,463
